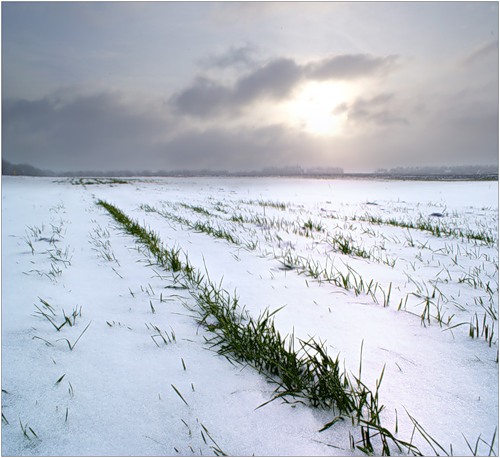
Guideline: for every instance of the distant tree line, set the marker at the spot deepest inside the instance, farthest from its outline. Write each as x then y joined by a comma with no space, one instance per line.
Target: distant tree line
28,170
476,172
459,170
23,170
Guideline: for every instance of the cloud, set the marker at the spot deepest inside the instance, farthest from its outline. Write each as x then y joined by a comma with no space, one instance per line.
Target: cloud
378,110
244,148
273,80
205,97
213,148
234,57
349,66
96,130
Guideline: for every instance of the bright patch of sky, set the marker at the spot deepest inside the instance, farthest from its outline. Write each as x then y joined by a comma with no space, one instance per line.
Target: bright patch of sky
160,85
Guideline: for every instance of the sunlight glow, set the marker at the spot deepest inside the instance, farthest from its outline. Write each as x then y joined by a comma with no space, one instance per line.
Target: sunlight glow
313,108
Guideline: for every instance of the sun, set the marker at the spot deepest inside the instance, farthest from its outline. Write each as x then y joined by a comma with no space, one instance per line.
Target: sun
312,108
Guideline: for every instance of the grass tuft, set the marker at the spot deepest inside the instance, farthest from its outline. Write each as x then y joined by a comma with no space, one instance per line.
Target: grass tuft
179,394
73,345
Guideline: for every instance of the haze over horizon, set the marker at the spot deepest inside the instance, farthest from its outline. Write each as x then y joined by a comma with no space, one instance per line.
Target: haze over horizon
242,86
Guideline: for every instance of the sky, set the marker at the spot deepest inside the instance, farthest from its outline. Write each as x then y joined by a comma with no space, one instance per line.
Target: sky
248,85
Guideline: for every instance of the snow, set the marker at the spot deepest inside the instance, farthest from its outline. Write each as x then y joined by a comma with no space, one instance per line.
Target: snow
117,395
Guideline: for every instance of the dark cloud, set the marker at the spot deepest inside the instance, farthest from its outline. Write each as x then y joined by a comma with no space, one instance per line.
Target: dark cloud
239,149
349,66
454,132
377,110
274,80
466,123
96,130
213,148
205,97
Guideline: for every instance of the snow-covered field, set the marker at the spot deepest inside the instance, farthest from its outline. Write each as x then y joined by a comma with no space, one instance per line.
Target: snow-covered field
102,356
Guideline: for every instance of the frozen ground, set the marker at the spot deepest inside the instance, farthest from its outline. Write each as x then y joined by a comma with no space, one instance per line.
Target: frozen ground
420,294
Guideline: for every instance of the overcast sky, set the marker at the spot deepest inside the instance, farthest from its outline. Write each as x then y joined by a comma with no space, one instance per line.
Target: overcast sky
160,85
